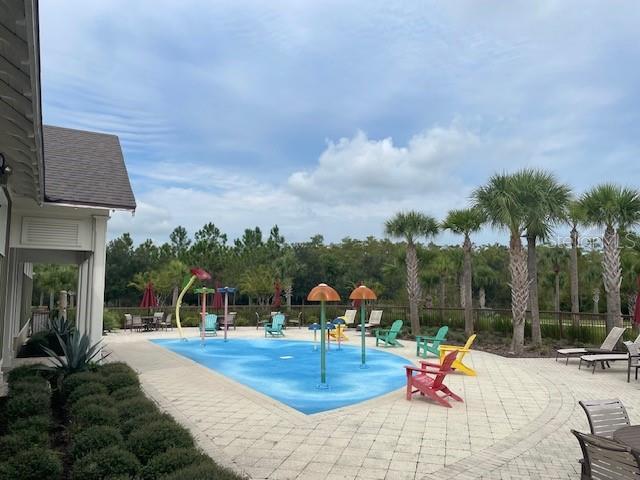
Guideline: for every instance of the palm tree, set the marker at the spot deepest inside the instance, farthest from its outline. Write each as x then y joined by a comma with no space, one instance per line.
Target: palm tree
613,208
503,201
465,222
575,217
410,226
546,202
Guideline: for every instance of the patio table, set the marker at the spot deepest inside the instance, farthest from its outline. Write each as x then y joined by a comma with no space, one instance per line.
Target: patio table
149,322
629,436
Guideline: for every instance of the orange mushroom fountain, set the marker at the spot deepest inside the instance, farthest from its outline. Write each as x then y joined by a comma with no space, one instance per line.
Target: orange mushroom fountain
323,293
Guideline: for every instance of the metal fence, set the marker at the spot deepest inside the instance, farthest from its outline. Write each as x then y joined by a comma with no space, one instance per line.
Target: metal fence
585,327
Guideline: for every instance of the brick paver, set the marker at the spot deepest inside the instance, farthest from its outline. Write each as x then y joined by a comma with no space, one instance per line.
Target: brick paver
514,423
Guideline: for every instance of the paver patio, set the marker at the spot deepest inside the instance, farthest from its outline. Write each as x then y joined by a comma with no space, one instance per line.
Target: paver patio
515,421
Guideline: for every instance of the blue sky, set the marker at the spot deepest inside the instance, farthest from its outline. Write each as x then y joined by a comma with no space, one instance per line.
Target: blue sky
328,117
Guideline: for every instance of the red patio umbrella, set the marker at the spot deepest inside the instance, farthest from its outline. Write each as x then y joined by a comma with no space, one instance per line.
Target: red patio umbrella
149,299
355,303
218,301
636,314
276,296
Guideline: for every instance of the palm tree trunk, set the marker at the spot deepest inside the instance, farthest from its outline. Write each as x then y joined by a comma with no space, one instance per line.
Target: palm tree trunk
51,300
288,294
413,288
466,276
596,300
41,298
575,290
519,291
174,295
482,298
556,299
612,277
532,267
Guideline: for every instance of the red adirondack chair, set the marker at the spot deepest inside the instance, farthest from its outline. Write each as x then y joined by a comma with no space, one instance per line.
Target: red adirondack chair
428,380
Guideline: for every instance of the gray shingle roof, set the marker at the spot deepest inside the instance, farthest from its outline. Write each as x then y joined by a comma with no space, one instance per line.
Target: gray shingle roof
85,168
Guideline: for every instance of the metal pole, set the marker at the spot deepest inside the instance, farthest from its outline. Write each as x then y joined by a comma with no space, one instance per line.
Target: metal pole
362,315
203,313
226,307
323,366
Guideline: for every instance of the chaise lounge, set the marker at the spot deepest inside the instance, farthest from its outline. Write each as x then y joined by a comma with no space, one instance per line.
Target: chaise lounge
607,346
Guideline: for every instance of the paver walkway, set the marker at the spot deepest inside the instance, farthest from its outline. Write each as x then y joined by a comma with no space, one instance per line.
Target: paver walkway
515,421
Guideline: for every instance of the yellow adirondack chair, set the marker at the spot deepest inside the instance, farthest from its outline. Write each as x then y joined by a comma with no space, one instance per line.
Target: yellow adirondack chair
462,351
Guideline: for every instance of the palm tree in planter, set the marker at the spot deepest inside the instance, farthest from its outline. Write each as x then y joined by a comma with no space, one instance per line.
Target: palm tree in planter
411,226
575,217
465,222
546,203
613,208
503,201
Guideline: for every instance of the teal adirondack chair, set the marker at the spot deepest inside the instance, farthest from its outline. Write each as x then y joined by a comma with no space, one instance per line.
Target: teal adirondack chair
388,335
210,325
431,344
275,327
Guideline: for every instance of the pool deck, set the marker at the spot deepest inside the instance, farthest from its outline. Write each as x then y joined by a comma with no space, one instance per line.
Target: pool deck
514,423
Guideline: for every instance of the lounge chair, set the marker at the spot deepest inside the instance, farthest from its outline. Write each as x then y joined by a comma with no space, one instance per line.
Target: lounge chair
605,416
461,352
375,317
210,325
388,335
431,344
634,358
607,346
606,459
431,386
349,318
603,359
275,327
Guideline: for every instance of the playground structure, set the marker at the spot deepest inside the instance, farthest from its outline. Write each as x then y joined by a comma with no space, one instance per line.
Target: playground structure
226,291
363,293
196,274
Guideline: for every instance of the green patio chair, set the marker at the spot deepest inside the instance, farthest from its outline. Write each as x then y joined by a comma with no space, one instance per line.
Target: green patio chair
275,327
211,325
388,335
431,344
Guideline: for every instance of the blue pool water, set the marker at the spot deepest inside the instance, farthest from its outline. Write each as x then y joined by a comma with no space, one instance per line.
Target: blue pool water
289,371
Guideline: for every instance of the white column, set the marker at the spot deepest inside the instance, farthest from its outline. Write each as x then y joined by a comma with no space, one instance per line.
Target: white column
11,307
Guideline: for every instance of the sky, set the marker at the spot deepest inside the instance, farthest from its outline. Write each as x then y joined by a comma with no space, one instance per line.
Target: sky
331,116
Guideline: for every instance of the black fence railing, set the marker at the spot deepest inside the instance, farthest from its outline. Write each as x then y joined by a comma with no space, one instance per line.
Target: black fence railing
585,327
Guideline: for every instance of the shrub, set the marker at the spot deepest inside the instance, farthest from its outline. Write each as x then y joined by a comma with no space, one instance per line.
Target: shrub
134,407
11,445
170,461
28,403
110,320
71,382
126,393
143,420
98,399
29,384
25,371
202,471
116,381
39,423
36,463
94,415
86,389
156,438
112,462
115,367
95,438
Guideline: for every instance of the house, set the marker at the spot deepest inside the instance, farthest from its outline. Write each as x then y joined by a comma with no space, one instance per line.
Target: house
58,187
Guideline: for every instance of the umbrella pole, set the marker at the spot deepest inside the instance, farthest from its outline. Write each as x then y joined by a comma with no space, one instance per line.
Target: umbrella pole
323,366
362,314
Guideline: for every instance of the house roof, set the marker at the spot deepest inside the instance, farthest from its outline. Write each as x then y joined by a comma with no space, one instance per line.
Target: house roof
85,168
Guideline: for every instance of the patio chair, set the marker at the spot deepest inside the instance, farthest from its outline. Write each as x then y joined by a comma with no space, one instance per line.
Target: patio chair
428,380
128,321
260,322
210,325
461,353
349,318
295,321
137,323
375,317
157,318
231,320
166,323
388,335
275,327
431,344
605,416
606,459
634,358
607,346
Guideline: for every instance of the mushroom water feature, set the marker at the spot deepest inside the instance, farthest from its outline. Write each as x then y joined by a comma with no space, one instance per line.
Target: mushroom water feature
196,274
323,293
226,291
363,293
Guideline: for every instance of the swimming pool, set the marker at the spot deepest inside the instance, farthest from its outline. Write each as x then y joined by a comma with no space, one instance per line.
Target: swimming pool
289,370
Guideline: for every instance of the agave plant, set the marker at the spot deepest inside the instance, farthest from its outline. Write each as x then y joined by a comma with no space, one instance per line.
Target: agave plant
61,326
78,353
